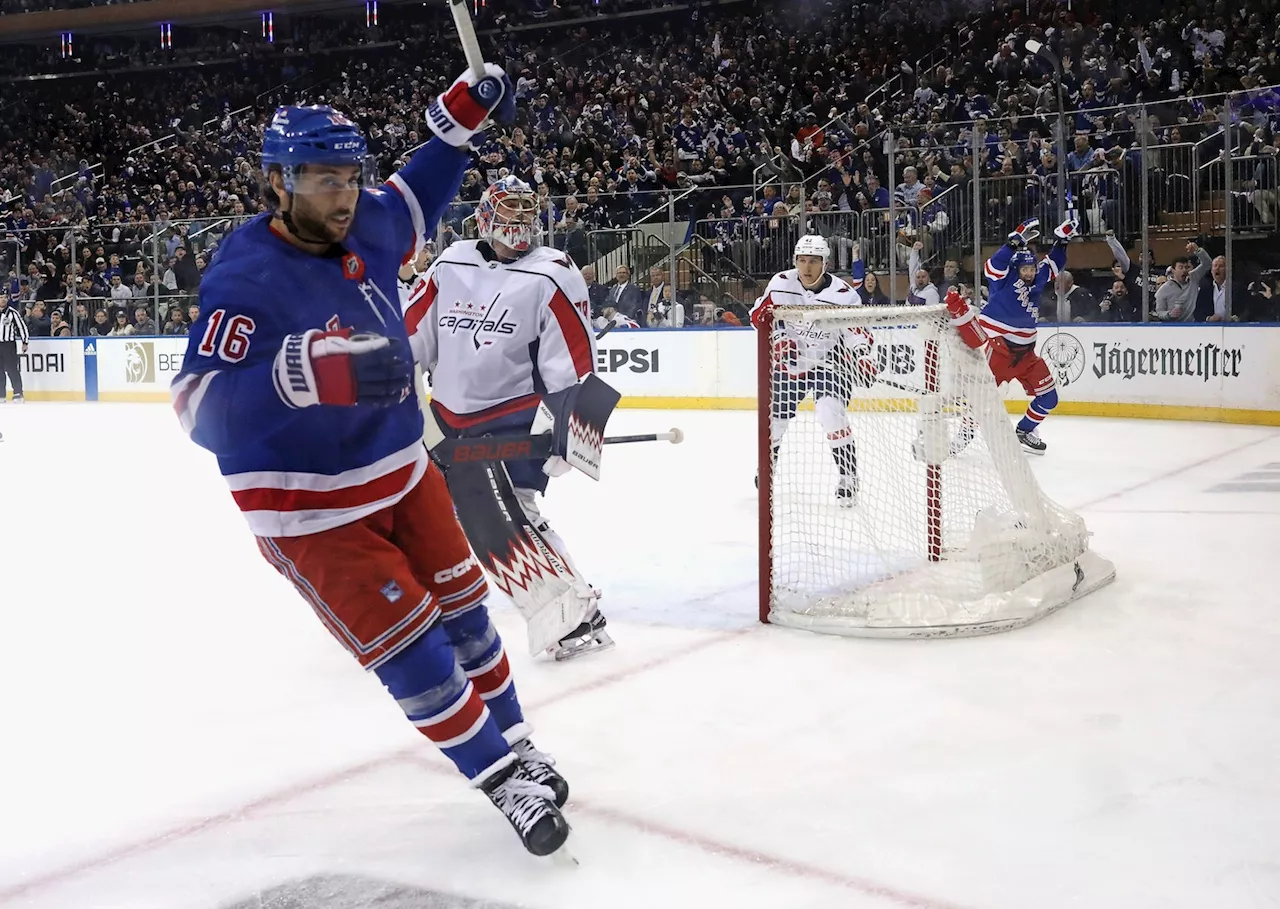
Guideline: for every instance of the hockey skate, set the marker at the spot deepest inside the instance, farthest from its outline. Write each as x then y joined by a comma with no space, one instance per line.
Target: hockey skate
588,637
1031,442
847,491
529,806
541,768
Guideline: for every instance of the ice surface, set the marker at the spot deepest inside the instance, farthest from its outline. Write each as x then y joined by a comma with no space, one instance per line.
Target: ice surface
179,731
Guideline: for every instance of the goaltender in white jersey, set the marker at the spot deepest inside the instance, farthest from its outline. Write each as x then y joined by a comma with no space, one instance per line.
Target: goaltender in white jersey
499,334
807,358
499,322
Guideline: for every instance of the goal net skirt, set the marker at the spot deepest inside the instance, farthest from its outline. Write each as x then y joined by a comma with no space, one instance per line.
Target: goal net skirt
947,532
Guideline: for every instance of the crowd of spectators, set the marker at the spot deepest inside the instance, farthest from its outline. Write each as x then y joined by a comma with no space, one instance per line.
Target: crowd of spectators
617,113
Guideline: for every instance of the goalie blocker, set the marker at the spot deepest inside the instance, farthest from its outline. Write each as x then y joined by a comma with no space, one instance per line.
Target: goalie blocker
504,527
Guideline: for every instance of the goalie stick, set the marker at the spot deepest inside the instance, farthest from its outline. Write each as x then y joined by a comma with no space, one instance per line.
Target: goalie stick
527,448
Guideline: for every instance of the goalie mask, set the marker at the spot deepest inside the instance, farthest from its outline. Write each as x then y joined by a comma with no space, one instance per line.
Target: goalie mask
508,214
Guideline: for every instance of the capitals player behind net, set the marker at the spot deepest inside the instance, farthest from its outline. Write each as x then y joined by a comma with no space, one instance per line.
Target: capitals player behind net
299,377
502,323
809,359
1007,324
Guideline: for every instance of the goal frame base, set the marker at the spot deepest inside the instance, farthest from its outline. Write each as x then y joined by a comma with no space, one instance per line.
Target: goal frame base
1051,591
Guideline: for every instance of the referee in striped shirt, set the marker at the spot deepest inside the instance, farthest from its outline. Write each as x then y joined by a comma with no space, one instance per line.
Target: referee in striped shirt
13,331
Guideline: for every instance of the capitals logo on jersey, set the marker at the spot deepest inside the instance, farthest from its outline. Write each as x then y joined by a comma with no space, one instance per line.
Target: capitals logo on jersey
467,317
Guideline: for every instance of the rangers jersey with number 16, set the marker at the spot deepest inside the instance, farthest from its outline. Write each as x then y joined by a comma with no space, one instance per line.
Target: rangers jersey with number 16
496,335
814,346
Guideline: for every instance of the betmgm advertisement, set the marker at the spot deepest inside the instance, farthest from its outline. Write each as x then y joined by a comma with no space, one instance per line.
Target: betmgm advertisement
138,370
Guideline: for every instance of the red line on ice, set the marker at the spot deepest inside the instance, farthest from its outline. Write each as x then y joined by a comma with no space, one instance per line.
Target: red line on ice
120,853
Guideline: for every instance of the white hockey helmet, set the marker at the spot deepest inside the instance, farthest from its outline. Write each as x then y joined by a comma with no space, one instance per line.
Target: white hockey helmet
517,225
812,245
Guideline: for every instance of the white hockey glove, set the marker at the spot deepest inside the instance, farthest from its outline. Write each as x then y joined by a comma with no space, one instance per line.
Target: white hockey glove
461,112
1067,229
1024,233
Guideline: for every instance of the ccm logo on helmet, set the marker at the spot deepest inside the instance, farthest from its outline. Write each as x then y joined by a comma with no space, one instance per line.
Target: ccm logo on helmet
457,571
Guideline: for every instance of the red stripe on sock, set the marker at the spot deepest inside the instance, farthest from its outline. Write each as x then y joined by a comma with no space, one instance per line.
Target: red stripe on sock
460,722
494,679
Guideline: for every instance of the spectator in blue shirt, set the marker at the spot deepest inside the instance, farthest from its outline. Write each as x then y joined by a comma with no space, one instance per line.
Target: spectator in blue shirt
688,135
1083,156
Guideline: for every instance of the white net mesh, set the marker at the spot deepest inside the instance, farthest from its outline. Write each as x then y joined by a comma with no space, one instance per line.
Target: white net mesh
948,532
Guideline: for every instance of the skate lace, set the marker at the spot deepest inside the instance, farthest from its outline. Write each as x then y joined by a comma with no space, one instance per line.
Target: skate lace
524,801
530,755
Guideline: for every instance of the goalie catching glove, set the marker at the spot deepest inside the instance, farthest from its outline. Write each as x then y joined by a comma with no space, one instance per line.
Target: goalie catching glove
460,113
342,369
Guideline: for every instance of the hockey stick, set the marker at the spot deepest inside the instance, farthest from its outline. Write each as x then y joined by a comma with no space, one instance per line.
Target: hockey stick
675,437
467,36
613,323
525,448
898,385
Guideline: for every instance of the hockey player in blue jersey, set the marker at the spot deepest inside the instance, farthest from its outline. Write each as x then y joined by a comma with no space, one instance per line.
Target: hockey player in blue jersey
299,377
1008,320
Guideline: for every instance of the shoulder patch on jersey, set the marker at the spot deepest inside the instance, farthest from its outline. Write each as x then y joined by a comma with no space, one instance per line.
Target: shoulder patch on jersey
844,289
564,262
352,267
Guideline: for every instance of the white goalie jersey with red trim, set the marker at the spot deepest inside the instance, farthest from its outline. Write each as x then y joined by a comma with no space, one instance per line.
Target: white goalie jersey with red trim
491,332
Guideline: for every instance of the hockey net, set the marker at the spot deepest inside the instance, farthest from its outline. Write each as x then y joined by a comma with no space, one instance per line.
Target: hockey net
949,533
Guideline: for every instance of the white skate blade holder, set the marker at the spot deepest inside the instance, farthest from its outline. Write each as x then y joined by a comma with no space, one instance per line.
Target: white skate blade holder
593,643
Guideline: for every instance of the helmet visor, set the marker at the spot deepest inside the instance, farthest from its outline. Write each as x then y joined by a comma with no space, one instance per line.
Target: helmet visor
329,179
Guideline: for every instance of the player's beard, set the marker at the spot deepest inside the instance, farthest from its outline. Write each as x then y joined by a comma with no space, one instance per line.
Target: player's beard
314,228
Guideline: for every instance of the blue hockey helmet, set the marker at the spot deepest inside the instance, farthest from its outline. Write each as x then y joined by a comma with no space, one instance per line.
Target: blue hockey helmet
1021,258
315,134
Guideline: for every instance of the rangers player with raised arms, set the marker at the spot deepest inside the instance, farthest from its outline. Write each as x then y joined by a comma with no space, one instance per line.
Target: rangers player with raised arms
299,377
500,322
1007,323
810,359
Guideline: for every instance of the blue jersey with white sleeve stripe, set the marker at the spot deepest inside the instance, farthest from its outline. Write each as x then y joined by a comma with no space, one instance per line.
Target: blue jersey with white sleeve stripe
1013,305
296,471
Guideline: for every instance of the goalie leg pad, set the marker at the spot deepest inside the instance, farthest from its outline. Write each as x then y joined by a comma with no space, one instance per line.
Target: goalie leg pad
523,562
529,505
437,696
